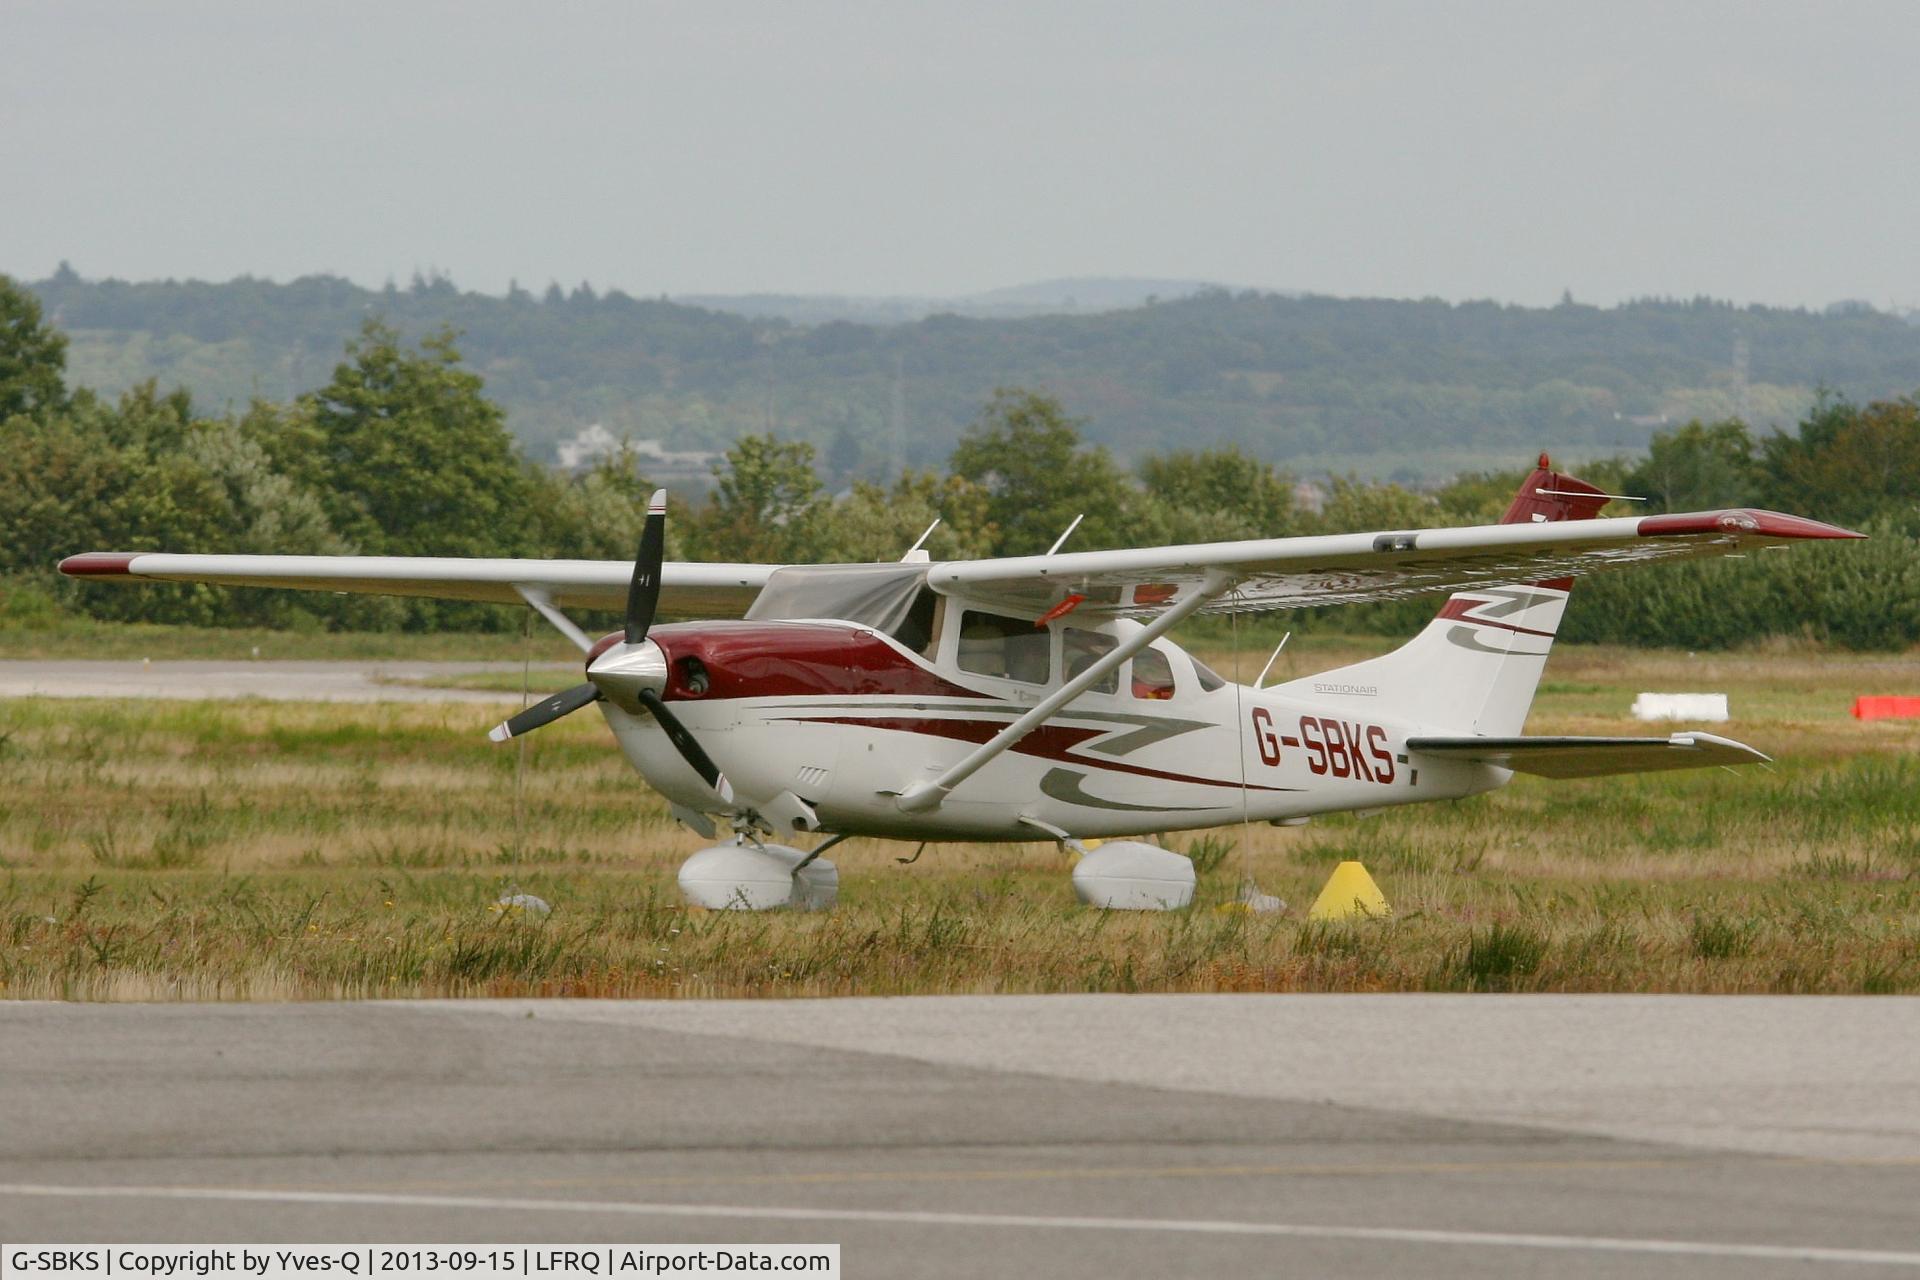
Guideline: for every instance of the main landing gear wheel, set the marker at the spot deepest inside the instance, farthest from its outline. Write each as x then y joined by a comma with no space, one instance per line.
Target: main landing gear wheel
745,876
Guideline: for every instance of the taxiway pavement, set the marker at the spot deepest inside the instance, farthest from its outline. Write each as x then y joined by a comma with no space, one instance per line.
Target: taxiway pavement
1061,1136
277,680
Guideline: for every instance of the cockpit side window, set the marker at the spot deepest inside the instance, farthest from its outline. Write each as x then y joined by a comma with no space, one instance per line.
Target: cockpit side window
1080,649
1006,648
1152,675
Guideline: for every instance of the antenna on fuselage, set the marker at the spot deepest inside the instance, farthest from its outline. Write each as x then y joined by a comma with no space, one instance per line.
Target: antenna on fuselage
914,554
1057,542
1261,679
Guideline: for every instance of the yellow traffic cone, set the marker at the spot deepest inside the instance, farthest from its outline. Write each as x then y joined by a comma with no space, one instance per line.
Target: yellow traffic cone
1350,894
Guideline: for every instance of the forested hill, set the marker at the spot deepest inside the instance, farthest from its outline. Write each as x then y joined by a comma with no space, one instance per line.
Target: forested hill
1399,389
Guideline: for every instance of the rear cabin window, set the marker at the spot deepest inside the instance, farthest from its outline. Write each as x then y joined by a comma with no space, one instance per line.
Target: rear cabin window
1152,675
1081,649
1007,648
1209,679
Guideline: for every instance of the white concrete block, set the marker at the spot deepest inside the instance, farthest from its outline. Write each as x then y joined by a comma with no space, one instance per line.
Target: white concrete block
1680,706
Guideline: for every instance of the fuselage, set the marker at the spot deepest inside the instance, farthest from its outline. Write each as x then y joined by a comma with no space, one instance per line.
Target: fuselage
845,717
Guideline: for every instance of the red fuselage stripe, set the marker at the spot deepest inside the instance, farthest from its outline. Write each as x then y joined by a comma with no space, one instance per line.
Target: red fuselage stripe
1048,742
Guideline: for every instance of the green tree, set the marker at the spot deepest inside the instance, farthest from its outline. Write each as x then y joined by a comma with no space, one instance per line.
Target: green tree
768,507
144,475
1218,495
877,523
1701,466
270,513
71,482
33,355
598,514
1478,497
1848,462
1027,454
414,460
1356,507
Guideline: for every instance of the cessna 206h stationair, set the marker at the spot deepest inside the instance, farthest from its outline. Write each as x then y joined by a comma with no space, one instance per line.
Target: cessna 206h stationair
1036,697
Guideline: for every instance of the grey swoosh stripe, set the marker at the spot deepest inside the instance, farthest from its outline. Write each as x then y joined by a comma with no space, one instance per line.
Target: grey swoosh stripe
1064,784
1468,638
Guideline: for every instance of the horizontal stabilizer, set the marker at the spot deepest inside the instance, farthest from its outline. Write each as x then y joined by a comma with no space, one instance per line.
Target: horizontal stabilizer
1592,757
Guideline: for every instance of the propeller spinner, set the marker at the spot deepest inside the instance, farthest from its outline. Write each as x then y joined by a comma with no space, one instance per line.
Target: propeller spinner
634,670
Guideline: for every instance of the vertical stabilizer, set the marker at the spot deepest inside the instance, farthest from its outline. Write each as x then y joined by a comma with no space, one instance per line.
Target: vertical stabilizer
1474,668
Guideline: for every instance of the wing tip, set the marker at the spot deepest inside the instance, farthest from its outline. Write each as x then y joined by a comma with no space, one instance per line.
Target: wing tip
657,504
1742,520
1695,738
99,564
500,732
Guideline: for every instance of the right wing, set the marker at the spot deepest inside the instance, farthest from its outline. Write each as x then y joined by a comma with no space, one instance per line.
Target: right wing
1592,757
1357,568
689,590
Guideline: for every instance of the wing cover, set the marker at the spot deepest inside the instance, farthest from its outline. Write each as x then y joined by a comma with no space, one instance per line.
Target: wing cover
692,590
1592,757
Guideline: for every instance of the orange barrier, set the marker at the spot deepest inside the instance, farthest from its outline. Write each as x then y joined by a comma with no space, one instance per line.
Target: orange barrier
1885,708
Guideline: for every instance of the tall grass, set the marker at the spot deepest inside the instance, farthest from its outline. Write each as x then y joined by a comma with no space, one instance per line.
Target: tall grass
290,851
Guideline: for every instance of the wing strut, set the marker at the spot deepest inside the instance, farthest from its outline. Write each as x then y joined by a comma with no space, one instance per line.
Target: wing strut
542,601
922,796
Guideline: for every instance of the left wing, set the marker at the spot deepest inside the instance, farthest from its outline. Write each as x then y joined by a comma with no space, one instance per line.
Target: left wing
1352,568
695,590
1592,757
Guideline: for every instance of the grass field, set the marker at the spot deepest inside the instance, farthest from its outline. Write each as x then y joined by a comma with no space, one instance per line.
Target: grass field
154,850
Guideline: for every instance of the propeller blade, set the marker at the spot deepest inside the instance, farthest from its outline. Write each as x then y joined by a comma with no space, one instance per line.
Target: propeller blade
690,750
545,711
643,593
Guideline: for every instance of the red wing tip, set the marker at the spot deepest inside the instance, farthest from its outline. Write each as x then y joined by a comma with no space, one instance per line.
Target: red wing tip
98,564
1758,524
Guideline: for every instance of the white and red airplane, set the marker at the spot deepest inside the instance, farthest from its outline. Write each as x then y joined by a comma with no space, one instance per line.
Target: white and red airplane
1037,697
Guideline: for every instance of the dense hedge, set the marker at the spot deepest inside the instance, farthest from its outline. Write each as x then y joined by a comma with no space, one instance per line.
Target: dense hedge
402,453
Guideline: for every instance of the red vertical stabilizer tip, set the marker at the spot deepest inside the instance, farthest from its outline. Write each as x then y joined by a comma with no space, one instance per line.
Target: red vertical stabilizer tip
1886,708
1549,495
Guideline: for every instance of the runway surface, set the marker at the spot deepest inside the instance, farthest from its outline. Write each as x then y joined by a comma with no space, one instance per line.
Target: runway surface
280,681
1061,1136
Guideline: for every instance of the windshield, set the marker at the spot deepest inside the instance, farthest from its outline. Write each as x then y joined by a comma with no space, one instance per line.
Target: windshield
892,598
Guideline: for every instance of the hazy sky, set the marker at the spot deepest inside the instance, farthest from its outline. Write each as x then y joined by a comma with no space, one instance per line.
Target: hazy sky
1761,152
